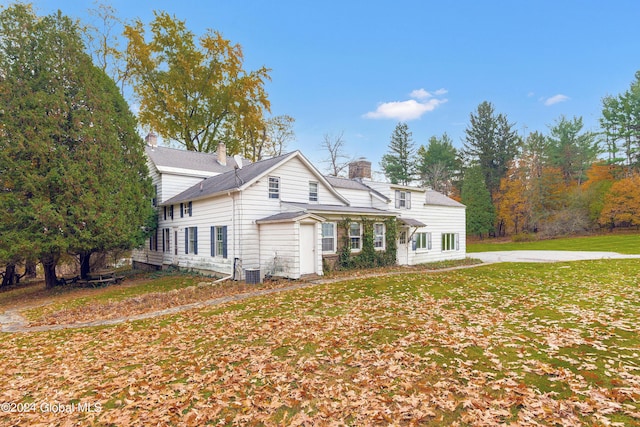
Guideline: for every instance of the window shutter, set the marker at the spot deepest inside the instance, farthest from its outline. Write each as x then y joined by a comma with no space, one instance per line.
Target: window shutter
224,241
213,241
408,193
429,241
171,211
190,208
397,199
186,240
163,233
181,210
457,242
195,240
165,212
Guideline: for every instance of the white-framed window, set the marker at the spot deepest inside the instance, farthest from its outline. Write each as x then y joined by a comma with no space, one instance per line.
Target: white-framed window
328,237
403,199
166,239
313,191
274,187
219,241
355,236
450,242
423,241
402,237
191,240
378,236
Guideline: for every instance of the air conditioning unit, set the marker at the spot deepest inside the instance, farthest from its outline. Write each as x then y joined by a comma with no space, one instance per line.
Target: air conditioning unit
252,276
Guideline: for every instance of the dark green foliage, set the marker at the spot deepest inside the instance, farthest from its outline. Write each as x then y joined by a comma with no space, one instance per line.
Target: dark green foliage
398,162
480,210
368,257
76,180
438,164
492,143
570,150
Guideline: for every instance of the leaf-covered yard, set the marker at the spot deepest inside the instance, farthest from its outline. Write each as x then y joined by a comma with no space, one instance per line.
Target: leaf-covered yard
526,344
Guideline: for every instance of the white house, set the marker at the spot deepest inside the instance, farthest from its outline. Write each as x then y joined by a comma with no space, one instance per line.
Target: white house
280,216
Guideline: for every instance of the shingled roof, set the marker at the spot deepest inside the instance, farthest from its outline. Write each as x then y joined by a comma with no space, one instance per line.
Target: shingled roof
435,198
354,184
167,159
228,181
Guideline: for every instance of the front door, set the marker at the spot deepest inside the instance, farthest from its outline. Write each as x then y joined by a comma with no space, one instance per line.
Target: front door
403,246
307,249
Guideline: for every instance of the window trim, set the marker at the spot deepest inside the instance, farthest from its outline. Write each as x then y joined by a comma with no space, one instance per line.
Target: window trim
333,237
219,247
313,194
379,237
423,241
191,240
274,190
450,242
403,199
354,238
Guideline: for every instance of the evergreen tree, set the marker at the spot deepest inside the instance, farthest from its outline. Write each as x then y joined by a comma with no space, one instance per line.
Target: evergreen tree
438,163
570,150
475,196
74,177
398,162
492,143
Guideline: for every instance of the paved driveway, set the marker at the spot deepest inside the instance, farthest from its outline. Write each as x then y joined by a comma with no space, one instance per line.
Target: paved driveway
545,256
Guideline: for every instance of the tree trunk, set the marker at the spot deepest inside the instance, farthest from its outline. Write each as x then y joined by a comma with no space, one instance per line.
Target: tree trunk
30,268
9,277
49,263
85,265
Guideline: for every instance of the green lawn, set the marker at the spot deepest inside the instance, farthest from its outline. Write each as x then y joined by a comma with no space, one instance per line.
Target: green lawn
622,243
505,343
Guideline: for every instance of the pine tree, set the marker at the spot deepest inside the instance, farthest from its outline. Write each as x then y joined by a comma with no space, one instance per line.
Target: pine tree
398,162
492,143
476,197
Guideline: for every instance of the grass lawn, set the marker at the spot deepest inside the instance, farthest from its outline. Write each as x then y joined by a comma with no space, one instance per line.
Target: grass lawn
622,243
528,344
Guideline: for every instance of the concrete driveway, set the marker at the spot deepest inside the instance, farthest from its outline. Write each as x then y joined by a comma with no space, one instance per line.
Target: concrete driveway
545,256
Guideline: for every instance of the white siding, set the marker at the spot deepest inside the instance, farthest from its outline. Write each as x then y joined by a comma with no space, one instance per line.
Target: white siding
439,220
294,184
359,198
279,255
175,184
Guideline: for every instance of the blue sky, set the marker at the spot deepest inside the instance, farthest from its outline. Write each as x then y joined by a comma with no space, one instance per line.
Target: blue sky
360,67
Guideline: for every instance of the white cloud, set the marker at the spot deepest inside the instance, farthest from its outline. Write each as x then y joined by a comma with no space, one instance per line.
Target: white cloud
423,94
556,99
404,110
410,109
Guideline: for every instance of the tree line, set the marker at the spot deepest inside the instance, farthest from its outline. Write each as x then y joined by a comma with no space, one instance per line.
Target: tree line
564,181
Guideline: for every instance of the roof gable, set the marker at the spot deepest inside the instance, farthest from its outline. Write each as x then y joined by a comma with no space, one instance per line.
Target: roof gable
240,179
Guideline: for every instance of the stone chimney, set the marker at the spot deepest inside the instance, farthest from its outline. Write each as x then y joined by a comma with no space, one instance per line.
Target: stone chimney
151,139
360,169
222,154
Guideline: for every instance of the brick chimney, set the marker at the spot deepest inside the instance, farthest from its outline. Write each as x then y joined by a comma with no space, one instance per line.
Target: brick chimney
151,139
360,169
222,154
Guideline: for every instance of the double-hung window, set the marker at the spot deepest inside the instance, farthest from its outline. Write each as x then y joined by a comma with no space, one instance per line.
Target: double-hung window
378,236
328,237
274,187
166,240
403,199
355,236
313,191
219,241
191,240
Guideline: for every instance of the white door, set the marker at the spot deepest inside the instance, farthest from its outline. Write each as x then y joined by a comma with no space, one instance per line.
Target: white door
403,246
307,248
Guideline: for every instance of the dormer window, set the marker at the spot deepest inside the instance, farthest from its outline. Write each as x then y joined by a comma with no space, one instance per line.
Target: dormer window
274,187
403,199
